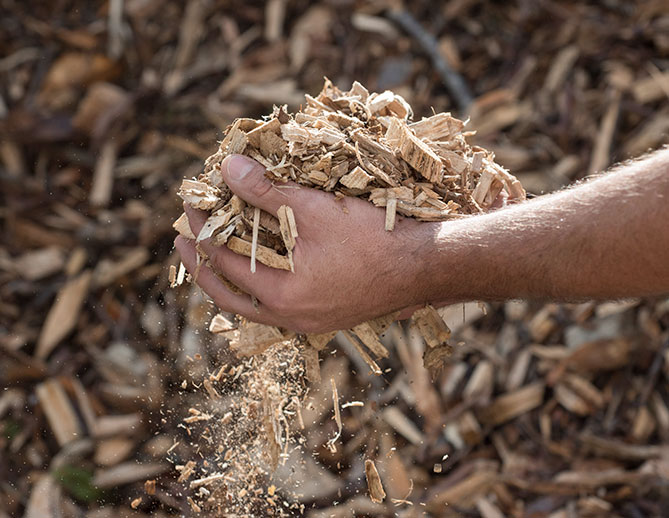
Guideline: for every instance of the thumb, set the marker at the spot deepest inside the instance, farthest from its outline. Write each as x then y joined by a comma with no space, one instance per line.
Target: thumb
246,178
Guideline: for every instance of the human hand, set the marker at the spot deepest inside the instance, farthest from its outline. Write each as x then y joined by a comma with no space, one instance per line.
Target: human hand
348,269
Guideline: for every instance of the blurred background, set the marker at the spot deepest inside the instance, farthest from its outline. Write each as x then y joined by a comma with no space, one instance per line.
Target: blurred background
544,410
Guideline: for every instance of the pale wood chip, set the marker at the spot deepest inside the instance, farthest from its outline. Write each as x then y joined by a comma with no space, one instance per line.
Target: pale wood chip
356,179
415,152
254,242
182,227
64,314
514,404
391,211
370,338
59,411
265,255
288,228
337,417
441,126
361,351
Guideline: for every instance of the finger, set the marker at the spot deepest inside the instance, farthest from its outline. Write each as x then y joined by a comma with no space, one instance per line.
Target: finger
246,178
235,267
196,218
212,286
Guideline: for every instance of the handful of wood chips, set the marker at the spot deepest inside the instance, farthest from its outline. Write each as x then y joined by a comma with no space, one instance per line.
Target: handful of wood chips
352,144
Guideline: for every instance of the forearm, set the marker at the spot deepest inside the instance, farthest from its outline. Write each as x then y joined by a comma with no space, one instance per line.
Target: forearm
606,238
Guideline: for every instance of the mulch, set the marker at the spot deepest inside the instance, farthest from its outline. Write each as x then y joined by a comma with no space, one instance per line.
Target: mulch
545,410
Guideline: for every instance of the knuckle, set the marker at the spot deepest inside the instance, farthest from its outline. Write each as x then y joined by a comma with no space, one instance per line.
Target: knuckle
260,185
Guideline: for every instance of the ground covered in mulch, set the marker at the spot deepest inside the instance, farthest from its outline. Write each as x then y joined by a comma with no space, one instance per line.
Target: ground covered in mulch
544,410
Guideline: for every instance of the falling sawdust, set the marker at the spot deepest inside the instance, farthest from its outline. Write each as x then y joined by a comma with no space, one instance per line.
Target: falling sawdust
241,431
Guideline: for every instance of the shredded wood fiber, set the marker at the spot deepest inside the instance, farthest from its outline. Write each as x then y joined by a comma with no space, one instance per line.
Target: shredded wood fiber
242,430
352,144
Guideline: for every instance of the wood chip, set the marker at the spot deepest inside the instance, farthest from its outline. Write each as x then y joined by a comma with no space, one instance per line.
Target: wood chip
254,242
59,411
288,229
265,255
376,492
513,404
63,315
337,417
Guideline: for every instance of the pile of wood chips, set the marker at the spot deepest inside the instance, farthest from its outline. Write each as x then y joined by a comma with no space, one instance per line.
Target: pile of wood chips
547,410
353,144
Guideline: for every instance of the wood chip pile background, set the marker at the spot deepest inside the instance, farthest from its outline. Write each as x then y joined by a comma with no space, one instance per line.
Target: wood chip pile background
547,410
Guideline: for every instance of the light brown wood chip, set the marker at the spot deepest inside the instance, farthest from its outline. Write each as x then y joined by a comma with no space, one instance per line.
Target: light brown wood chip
376,492
288,229
337,417
416,152
64,314
356,179
254,242
182,227
391,210
369,337
365,356
265,255
431,326
60,413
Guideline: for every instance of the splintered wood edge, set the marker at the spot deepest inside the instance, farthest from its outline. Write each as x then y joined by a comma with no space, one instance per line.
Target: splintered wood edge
182,227
365,356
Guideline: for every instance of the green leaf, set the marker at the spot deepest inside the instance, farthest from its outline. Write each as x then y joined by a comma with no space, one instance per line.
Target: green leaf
11,429
78,482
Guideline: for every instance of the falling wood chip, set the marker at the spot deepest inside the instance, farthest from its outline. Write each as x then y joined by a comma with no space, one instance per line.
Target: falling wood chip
365,356
376,492
370,338
337,417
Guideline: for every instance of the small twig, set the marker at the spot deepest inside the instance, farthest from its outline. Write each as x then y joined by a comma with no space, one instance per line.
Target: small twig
451,79
653,373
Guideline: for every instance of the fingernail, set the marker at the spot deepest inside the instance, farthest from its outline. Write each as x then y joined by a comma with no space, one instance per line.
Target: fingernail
238,167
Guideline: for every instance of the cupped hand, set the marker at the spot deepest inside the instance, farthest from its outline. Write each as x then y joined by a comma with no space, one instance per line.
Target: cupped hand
348,269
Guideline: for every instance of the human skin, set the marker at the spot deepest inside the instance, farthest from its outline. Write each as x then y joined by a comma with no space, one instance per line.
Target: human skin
605,238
